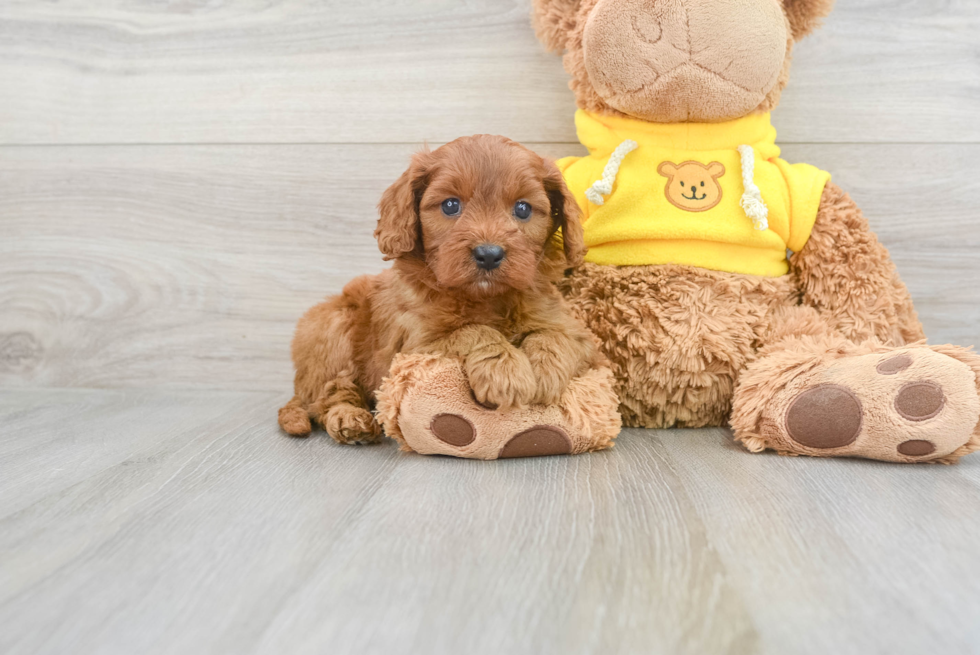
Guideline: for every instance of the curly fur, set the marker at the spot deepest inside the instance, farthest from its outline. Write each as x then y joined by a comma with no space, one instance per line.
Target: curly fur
847,274
806,15
509,326
679,337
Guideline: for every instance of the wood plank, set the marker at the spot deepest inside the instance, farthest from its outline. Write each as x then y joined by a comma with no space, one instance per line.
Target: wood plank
593,554
139,514
201,529
233,538
887,72
390,71
859,554
188,266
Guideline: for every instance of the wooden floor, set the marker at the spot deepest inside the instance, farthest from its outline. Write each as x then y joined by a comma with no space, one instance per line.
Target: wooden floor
180,179
152,522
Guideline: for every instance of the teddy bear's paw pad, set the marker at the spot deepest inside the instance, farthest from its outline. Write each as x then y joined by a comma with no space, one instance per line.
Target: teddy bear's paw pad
917,448
540,441
920,401
453,429
827,416
911,406
894,365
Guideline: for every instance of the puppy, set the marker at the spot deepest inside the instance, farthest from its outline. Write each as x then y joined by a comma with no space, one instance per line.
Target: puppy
473,229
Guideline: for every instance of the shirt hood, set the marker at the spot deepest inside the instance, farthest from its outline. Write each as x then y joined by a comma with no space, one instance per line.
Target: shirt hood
602,134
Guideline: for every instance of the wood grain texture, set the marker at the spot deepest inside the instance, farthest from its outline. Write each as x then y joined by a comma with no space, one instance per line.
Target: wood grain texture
301,71
164,522
844,543
189,266
165,513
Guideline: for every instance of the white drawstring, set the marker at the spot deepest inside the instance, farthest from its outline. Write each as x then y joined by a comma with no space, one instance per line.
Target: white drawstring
752,202
604,186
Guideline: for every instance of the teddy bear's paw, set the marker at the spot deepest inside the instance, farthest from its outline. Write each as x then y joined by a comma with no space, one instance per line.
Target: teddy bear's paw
428,406
914,404
459,432
348,424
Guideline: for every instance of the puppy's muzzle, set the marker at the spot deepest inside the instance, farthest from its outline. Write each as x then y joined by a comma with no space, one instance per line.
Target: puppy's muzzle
488,256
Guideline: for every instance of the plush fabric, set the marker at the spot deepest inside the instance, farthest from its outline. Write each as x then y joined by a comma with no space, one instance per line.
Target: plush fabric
426,405
677,197
684,60
826,360
690,295
700,88
692,347
677,337
824,396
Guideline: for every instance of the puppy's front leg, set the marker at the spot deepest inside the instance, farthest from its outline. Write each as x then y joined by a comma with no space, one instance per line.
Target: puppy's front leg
557,355
498,373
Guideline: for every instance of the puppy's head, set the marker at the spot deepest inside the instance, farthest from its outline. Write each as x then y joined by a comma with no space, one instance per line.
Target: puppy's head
482,214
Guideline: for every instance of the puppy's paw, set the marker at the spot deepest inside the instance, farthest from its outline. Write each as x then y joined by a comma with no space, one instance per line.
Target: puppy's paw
551,383
295,421
504,378
348,424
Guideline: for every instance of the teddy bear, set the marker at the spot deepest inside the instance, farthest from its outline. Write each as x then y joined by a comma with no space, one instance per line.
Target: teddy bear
725,285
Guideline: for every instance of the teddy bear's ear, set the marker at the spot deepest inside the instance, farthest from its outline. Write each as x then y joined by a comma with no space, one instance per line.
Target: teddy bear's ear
805,15
553,22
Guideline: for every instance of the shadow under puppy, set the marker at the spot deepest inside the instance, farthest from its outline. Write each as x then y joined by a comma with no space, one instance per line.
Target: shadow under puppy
472,228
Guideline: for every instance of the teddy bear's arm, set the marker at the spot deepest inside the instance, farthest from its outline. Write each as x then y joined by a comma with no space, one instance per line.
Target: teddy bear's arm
847,274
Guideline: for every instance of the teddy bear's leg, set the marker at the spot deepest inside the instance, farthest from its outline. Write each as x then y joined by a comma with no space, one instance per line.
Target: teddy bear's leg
427,406
848,276
813,392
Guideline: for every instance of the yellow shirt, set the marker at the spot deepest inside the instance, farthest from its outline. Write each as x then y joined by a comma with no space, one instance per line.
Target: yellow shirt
677,198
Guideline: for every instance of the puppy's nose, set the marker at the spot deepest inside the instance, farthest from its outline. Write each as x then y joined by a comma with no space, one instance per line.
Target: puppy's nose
488,257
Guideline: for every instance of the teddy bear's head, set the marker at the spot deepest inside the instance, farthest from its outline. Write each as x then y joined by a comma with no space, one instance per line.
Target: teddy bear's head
670,61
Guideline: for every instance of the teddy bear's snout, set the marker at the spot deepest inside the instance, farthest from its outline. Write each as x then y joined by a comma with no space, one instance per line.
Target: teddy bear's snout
688,60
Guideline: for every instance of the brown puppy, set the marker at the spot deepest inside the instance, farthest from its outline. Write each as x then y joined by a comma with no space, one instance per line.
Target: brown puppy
471,228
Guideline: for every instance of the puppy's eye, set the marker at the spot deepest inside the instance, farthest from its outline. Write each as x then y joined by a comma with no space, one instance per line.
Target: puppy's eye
451,207
522,210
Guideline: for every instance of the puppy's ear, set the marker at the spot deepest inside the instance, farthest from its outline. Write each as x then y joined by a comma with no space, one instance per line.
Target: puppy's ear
399,231
805,15
553,21
565,214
